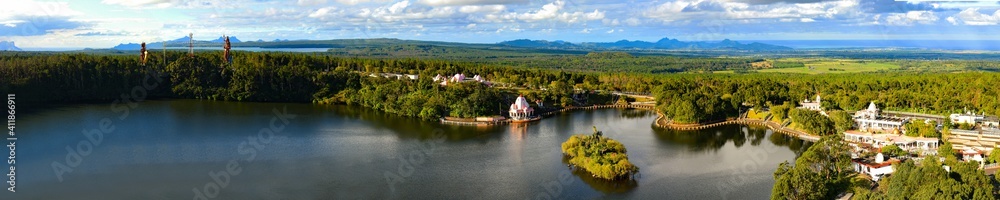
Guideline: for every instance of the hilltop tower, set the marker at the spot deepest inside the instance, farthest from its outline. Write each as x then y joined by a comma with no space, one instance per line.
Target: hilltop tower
191,45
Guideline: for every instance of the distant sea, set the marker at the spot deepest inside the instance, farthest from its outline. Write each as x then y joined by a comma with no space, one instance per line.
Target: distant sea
255,49
990,45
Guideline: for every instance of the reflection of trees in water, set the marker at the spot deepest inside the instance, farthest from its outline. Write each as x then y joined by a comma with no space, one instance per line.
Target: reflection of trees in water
712,139
632,113
407,127
603,185
793,143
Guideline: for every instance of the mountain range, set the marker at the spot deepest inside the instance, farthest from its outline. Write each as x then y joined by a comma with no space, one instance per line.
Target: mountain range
665,43
175,42
8,46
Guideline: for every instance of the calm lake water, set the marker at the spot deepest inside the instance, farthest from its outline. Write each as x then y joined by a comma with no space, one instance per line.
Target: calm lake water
181,149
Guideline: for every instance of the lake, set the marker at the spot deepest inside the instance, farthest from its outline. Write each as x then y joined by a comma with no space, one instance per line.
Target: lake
188,149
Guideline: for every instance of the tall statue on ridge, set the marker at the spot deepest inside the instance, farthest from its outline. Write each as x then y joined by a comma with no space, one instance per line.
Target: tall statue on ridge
226,56
143,54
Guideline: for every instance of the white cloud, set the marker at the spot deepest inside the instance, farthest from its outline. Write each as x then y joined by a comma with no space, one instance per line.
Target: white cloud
586,30
398,7
323,12
404,12
548,11
36,9
911,17
469,2
137,3
611,22
352,2
311,2
580,16
632,21
685,10
972,16
551,11
482,9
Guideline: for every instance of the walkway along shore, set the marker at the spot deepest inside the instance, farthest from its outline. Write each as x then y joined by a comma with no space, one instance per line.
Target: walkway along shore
663,122
660,122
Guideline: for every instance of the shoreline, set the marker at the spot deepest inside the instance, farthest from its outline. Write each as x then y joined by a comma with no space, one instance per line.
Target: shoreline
472,122
661,122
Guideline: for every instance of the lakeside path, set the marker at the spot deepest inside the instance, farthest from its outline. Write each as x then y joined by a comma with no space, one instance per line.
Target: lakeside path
662,122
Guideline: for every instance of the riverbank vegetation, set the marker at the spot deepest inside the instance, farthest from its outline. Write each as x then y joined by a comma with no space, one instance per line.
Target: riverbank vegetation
821,172
929,180
824,171
601,156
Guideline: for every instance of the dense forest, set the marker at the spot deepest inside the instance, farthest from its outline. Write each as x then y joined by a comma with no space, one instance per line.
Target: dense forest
697,98
284,77
319,77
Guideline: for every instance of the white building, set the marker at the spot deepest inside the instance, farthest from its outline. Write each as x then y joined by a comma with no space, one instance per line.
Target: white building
871,120
968,118
983,139
460,78
906,143
971,154
812,105
520,110
875,168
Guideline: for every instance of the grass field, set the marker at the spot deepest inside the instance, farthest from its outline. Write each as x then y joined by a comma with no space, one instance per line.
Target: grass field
754,114
822,66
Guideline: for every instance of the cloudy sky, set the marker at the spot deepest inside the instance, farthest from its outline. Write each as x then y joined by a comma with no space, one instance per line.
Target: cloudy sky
105,23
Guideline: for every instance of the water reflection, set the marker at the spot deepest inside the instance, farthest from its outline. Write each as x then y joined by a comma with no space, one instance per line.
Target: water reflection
631,113
712,139
602,185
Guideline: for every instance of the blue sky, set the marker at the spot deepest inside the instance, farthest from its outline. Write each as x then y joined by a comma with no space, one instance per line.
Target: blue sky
105,23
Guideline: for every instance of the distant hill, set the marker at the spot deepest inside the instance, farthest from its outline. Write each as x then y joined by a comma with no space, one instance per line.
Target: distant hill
8,46
537,43
179,42
137,46
665,43
559,45
232,39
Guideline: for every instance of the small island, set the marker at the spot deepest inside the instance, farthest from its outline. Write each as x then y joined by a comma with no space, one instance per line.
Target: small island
603,157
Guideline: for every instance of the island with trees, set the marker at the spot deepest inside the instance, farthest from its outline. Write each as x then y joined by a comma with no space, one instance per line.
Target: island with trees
602,157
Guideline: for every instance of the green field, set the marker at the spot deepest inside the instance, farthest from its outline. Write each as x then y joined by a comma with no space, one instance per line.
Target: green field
822,66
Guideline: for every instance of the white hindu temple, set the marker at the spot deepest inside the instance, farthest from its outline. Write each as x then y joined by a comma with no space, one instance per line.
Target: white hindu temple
871,120
520,110
812,105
